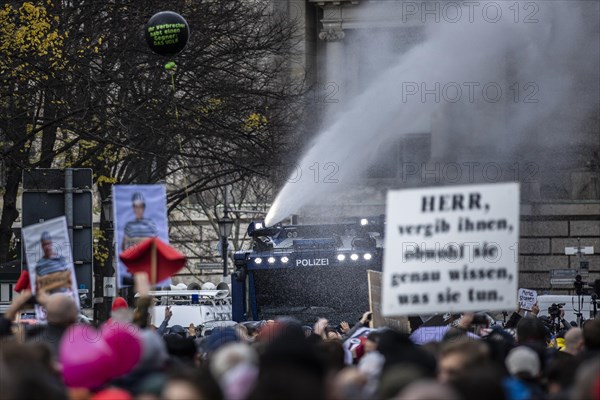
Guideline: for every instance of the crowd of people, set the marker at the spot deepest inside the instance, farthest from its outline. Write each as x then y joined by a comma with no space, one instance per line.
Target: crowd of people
283,359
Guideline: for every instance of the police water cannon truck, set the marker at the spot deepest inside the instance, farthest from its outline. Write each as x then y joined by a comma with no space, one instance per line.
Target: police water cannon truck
306,271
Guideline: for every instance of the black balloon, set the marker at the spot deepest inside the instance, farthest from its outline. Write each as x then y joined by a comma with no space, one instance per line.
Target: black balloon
167,33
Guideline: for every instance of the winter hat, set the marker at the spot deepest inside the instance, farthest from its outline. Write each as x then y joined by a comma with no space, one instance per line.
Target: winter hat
523,360
238,382
119,304
230,355
270,331
179,346
218,338
112,394
154,351
177,329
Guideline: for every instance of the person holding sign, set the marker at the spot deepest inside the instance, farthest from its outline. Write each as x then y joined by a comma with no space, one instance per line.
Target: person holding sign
527,299
140,228
51,271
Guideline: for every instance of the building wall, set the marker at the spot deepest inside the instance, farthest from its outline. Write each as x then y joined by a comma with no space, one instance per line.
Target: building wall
546,229
561,200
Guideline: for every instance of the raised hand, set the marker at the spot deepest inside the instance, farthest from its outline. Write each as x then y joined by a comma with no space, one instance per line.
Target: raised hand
345,327
18,303
366,317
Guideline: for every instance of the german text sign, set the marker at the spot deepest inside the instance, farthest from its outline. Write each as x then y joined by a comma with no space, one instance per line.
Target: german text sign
451,249
527,299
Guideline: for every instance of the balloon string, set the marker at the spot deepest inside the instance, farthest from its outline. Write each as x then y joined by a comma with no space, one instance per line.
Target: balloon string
171,67
187,182
173,87
186,189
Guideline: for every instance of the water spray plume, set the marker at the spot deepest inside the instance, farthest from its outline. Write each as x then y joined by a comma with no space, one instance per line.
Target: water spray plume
467,63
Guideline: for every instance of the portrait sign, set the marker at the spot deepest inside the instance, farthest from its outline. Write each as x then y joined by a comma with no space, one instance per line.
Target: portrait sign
140,212
50,260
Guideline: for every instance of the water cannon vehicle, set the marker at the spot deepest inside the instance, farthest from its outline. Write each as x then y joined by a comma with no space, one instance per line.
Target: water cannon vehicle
307,271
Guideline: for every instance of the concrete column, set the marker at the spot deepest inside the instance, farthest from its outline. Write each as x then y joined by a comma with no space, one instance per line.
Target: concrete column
333,82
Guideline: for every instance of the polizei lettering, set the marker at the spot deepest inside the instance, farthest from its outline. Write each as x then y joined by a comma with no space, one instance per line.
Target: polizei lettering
312,262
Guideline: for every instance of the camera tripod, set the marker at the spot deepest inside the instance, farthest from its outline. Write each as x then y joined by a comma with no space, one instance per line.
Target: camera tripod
554,324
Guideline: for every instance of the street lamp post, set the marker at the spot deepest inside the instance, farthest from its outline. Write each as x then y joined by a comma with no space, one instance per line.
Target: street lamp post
104,303
107,210
225,227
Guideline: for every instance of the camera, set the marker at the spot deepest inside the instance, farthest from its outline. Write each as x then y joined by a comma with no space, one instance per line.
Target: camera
554,310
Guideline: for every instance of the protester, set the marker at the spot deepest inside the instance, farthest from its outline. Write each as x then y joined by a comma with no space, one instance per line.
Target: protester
191,384
348,384
532,331
524,366
573,341
61,312
372,341
119,310
587,385
235,368
560,375
9,316
427,390
484,382
290,367
591,335
28,372
162,329
461,357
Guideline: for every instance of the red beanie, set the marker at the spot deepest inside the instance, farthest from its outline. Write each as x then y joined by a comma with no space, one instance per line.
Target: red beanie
119,303
23,282
112,393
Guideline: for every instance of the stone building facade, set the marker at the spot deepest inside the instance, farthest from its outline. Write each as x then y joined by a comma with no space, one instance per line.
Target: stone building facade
560,197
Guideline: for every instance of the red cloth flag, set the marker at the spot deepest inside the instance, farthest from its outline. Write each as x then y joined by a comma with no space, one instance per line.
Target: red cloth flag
24,282
139,258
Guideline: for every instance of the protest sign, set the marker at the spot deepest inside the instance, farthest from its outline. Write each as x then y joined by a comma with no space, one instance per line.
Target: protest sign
140,213
451,249
527,298
378,321
50,260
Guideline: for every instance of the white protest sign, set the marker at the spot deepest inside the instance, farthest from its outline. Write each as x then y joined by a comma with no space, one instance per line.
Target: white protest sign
451,249
527,298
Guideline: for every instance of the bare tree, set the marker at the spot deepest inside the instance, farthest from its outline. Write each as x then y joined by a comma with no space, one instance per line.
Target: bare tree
96,96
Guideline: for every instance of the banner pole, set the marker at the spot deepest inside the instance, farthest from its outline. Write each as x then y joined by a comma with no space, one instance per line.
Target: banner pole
153,262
